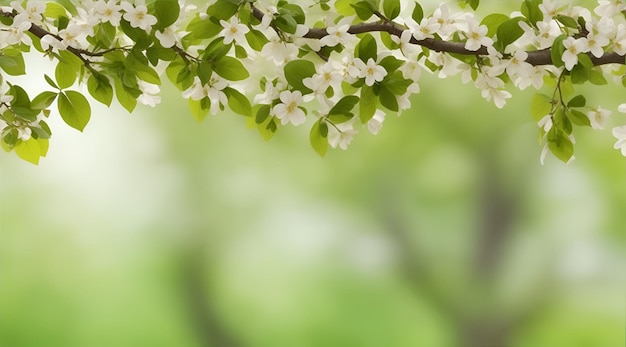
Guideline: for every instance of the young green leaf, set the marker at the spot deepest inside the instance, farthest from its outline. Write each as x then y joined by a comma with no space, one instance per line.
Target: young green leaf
231,69
540,106
238,102
43,100
366,48
367,104
508,32
391,8
345,105
577,101
166,12
298,70
28,150
319,137
578,118
197,111
100,88
74,109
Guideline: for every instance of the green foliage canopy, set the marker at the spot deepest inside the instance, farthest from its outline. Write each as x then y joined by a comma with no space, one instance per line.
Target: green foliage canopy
346,64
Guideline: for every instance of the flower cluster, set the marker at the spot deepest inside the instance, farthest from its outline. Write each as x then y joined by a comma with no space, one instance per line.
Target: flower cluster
276,61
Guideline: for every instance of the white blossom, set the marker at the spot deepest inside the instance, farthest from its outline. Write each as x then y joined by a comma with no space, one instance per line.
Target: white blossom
340,135
149,94
426,29
573,47
620,134
281,52
619,43
233,30
476,36
212,90
598,117
371,71
74,36
609,8
33,12
550,9
406,47
447,22
545,123
168,37
289,111
376,123
108,11
16,33
338,33
138,16
595,44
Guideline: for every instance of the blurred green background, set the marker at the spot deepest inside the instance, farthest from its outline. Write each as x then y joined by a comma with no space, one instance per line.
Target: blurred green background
443,230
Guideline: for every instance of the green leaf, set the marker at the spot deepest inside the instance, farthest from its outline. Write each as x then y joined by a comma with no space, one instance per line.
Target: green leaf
367,104
473,3
54,10
298,70
216,50
508,32
286,23
344,7
388,99
366,48
66,74
13,65
238,102
202,28
391,63
262,114
391,8
579,74
364,9
74,109
223,9
28,150
596,77
561,145
205,71
530,10
50,82
493,21
21,105
396,83
231,69
344,105
256,39
540,106
577,101
556,52
43,100
268,128
293,10
125,99
418,12
578,118
319,137
100,88
561,121
166,12
197,111
584,60
567,21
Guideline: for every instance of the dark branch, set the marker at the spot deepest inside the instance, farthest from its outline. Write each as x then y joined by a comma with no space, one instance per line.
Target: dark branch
535,58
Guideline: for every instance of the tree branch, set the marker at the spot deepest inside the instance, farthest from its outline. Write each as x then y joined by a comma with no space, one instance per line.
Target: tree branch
535,58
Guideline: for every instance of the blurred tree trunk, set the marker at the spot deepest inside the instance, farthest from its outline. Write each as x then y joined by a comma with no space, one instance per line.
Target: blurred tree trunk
489,325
